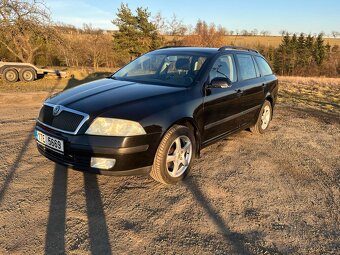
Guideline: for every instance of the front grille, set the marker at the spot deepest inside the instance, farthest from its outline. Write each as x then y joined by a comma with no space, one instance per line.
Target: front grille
66,120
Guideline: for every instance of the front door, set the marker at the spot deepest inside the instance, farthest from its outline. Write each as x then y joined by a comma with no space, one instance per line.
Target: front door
221,105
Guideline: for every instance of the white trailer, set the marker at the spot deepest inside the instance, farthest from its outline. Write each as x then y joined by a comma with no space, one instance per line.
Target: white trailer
14,71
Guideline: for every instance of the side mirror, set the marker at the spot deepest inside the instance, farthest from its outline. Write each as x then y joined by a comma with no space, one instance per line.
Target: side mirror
220,82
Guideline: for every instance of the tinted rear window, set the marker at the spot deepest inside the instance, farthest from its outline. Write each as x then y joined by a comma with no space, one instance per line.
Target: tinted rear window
246,67
264,67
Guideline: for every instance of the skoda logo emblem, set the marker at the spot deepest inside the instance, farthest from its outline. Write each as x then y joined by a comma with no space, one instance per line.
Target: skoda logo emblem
56,110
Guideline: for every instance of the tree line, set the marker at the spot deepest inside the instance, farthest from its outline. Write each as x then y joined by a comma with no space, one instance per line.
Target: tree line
27,34
304,55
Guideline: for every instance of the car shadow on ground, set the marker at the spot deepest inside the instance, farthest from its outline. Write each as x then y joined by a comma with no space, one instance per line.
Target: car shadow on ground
97,227
98,232
234,239
55,233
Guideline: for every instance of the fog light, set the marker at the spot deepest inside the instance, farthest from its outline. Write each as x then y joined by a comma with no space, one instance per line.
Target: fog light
102,163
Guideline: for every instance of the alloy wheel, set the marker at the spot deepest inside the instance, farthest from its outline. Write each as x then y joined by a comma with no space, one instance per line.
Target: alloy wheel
179,156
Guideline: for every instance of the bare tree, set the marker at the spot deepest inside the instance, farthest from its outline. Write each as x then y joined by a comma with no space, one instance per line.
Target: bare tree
86,47
265,33
176,26
189,29
206,35
283,32
244,32
160,23
254,32
97,44
24,28
335,34
221,29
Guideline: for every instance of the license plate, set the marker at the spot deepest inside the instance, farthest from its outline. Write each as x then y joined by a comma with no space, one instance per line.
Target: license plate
49,141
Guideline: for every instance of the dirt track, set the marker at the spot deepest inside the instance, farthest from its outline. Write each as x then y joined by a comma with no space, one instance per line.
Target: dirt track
277,193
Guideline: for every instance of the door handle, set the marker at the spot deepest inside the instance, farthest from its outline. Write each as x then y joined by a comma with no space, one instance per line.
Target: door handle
263,84
239,91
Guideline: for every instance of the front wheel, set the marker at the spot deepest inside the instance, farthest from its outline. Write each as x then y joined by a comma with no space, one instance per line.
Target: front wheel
263,119
174,155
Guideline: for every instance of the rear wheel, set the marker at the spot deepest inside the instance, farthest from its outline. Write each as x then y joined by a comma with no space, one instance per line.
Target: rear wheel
27,74
263,119
174,155
11,75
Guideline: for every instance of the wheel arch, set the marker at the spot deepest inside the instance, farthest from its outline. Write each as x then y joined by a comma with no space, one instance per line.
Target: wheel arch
269,97
192,125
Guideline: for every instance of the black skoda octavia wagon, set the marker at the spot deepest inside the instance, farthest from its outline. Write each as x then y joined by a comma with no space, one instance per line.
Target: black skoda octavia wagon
155,114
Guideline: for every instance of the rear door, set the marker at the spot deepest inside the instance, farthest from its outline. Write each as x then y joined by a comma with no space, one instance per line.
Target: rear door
221,105
270,78
251,85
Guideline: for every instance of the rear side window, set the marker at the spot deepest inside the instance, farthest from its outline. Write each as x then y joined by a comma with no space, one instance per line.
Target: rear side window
264,67
246,66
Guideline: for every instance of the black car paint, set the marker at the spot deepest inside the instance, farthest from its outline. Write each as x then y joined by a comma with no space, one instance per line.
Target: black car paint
212,112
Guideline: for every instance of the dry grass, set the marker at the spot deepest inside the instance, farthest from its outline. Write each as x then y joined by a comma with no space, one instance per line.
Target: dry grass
310,80
311,92
250,41
253,41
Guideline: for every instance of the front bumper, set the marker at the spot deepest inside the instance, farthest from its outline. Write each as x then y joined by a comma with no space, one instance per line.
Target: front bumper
134,155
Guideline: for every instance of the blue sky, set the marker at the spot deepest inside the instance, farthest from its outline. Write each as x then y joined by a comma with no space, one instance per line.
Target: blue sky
309,16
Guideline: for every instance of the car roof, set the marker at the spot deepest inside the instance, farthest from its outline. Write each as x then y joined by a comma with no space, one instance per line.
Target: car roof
205,50
188,50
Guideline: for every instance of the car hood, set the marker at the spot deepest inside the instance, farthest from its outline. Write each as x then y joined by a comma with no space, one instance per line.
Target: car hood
102,95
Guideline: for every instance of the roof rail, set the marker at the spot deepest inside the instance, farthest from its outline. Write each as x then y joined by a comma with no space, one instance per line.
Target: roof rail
236,48
173,46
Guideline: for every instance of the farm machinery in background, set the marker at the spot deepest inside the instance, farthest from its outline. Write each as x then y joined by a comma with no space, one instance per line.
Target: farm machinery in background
14,71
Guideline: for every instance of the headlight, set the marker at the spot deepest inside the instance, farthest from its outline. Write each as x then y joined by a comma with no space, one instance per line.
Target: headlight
115,127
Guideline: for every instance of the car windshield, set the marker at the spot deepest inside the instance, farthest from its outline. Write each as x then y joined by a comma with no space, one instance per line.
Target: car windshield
159,68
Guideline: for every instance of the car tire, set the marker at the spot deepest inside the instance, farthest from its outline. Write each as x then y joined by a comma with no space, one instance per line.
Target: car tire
174,155
10,75
263,119
27,75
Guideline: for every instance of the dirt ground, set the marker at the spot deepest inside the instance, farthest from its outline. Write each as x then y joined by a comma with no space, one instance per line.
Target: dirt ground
277,193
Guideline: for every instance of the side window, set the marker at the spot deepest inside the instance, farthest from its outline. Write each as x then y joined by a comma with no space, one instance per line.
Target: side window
224,66
199,63
258,73
264,67
246,66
